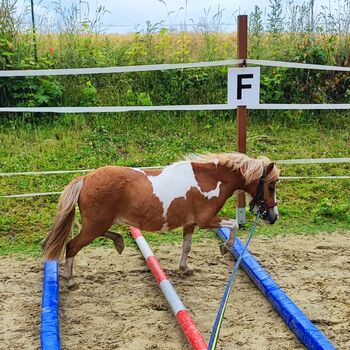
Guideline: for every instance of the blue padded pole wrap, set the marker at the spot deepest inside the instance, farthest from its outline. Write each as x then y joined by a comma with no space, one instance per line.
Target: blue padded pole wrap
49,332
296,320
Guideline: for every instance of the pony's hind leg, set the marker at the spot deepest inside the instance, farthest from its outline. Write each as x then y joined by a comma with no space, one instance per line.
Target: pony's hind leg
86,236
72,249
186,247
117,239
68,272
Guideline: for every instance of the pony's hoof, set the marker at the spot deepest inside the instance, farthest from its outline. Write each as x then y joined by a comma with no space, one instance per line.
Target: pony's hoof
223,249
63,275
66,277
72,285
187,271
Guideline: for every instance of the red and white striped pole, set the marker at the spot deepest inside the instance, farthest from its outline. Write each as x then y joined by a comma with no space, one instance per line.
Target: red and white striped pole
188,326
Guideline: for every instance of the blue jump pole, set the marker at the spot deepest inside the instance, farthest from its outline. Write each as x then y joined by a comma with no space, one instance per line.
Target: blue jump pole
49,331
295,319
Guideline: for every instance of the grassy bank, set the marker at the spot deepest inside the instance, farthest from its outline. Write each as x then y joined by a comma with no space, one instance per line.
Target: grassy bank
146,139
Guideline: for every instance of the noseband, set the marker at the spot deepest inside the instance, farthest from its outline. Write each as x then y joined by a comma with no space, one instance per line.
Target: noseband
259,201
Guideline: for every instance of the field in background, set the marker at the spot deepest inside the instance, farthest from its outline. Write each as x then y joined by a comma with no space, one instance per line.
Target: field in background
291,33
52,142
283,30
188,86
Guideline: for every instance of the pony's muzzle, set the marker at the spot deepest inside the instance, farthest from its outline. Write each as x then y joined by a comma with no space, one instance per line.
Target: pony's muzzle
272,215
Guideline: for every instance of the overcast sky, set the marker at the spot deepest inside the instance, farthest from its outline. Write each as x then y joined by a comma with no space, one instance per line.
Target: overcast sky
136,12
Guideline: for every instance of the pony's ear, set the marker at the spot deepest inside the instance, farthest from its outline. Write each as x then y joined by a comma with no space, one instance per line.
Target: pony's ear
269,168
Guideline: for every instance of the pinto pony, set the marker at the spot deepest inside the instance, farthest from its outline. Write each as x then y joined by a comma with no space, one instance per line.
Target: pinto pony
185,194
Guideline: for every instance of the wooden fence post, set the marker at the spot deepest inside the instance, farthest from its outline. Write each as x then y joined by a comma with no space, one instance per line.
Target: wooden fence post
241,136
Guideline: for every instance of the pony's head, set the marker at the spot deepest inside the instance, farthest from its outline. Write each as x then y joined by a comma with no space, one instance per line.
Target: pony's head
259,179
264,198
260,176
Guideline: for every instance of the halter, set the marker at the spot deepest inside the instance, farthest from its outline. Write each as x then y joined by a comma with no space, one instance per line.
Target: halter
259,201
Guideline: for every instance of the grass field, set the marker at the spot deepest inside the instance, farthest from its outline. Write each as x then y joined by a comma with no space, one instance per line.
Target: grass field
147,139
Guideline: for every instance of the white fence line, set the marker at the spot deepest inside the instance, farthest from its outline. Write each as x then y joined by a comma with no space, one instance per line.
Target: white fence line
120,69
23,195
296,106
313,161
206,107
39,194
283,64
116,109
283,161
53,172
340,177
154,67
48,172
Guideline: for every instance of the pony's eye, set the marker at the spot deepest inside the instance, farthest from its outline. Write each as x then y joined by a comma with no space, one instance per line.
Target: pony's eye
272,188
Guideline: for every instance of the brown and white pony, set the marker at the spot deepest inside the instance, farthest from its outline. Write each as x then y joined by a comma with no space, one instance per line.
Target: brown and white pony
185,194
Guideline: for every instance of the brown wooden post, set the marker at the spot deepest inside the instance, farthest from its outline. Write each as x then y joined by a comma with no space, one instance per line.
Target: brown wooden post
241,136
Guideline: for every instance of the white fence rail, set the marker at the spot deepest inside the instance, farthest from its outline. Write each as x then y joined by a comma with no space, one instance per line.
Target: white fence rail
155,67
207,107
314,161
120,69
283,161
40,194
297,65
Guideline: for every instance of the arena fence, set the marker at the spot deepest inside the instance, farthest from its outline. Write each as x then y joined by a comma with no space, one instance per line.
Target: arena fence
162,67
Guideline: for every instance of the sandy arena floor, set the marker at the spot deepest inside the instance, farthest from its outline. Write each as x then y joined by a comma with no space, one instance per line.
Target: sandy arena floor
119,305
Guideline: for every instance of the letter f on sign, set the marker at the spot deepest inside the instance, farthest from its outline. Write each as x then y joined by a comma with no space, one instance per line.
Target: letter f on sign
243,86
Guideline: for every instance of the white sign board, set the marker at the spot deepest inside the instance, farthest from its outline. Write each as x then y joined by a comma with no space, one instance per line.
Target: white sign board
243,86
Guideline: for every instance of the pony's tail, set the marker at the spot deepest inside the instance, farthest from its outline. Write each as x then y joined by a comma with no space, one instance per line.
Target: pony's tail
62,226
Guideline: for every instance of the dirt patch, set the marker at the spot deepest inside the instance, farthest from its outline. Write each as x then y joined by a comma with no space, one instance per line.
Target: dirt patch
119,305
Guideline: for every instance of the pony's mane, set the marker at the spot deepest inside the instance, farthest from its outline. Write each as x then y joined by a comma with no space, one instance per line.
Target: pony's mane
251,168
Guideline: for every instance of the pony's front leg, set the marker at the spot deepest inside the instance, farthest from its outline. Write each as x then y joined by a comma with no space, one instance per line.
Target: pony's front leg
186,247
231,224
